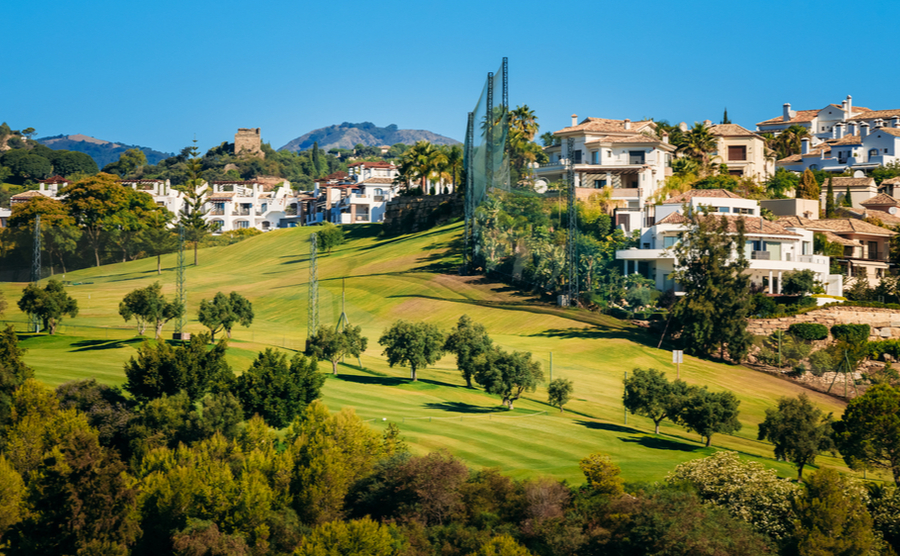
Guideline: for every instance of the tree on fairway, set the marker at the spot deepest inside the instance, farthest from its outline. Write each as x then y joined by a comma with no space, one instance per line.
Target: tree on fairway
559,391
223,312
92,202
3,304
799,430
809,187
831,518
13,371
157,239
468,340
829,201
50,304
162,369
148,305
329,236
278,391
648,393
413,344
59,235
332,345
707,413
195,226
868,434
712,314
507,375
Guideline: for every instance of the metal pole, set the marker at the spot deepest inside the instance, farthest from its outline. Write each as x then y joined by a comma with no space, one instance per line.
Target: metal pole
625,409
573,224
36,266
551,366
180,291
312,322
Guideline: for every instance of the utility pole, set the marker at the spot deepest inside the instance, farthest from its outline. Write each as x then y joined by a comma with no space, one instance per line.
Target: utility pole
36,267
312,313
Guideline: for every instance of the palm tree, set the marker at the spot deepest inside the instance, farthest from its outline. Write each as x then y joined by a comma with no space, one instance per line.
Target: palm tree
454,166
698,144
548,139
523,120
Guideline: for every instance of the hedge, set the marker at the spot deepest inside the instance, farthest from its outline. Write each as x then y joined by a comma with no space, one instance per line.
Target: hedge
851,333
876,349
808,331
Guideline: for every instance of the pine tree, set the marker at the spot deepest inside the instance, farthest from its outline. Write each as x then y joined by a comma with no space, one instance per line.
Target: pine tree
192,214
829,201
847,201
316,160
725,119
809,187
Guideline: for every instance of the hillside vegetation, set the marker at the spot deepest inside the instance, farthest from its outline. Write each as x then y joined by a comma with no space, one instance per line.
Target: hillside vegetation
414,277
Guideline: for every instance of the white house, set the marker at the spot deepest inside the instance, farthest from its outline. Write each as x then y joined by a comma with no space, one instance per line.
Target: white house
356,198
626,155
4,217
164,195
858,148
234,205
771,248
820,122
741,150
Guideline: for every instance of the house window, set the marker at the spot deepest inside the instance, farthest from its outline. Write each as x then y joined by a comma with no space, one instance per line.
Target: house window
635,157
873,152
576,157
241,224
806,248
737,152
594,157
722,209
774,249
669,241
735,172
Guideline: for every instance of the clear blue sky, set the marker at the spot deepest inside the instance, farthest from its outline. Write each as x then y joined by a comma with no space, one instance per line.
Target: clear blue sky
157,73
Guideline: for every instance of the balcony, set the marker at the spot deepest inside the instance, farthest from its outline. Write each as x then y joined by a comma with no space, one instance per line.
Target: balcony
241,212
379,198
217,212
760,256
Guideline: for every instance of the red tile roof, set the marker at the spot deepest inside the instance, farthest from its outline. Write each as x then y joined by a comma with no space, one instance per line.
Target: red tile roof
701,194
605,125
800,116
881,200
370,164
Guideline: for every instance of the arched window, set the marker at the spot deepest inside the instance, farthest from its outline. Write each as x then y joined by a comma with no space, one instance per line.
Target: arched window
813,166
873,152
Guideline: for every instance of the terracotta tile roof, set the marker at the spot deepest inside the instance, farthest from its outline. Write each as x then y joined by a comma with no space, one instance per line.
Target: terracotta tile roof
873,114
891,181
674,218
378,181
701,194
233,182
889,130
731,130
30,194
881,199
604,125
634,138
146,182
846,140
837,225
223,196
881,216
801,116
55,179
852,182
833,238
815,152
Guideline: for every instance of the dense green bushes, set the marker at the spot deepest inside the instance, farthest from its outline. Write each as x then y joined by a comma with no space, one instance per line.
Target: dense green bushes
808,331
855,334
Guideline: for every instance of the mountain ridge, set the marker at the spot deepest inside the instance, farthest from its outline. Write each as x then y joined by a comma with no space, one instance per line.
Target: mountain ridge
103,152
347,135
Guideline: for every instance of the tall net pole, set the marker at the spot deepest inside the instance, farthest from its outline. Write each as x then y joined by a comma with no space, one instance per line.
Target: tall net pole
489,144
312,320
571,250
36,266
470,190
180,292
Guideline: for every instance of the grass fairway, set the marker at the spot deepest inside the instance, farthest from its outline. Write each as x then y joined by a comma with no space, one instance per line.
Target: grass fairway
414,277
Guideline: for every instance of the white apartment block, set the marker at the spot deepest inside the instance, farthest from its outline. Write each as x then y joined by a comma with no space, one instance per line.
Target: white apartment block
359,197
771,248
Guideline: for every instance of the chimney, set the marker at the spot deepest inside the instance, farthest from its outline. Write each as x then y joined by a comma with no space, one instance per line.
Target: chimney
665,137
627,123
707,123
851,128
834,131
574,120
895,121
786,114
839,130
849,105
804,145
844,108
879,122
863,130
682,126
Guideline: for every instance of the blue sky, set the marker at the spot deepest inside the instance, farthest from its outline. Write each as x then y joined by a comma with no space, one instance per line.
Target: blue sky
159,73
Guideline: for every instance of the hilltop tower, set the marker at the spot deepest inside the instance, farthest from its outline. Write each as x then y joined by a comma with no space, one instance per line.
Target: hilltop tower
247,140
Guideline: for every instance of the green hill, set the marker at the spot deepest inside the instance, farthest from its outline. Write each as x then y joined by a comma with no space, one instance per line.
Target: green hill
414,277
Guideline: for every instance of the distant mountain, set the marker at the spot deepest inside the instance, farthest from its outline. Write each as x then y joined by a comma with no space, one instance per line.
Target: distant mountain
347,136
103,152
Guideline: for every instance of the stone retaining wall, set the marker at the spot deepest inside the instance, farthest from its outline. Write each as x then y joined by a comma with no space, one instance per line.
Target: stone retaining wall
885,323
404,215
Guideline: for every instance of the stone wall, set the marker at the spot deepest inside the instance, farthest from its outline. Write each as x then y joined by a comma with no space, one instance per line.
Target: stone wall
885,323
404,215
248,140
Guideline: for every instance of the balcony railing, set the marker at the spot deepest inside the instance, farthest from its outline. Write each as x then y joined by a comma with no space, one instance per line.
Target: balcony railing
217,212
761,255
241,212
379,198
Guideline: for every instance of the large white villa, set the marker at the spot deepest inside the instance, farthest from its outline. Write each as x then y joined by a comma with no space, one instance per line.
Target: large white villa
771,248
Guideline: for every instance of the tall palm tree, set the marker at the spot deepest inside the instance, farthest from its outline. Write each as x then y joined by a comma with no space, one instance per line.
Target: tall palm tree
698,144
454,163
523,120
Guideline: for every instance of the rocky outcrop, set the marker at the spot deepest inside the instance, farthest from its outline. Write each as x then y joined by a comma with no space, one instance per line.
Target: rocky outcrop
885,323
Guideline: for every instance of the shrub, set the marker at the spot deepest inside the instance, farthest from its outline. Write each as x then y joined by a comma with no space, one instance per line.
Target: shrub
876,349
820,362
799,282
854,334
808,331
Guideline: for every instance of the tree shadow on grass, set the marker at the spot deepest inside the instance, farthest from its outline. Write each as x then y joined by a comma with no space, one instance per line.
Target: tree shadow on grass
94,345
462,407
608,427
379,380
656,443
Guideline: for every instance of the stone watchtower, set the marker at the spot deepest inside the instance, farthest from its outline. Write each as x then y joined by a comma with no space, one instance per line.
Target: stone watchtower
247,140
